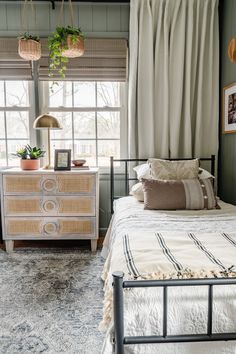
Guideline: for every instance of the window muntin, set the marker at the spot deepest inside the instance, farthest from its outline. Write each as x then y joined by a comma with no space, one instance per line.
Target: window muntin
15,126
90,114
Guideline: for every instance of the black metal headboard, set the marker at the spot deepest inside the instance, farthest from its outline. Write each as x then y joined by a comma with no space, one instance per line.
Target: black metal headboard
127,179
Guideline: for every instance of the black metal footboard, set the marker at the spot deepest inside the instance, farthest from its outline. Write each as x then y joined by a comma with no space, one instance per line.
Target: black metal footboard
120,340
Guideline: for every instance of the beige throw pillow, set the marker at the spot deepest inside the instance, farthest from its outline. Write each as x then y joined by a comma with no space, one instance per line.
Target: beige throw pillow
137,191
191,194
174,170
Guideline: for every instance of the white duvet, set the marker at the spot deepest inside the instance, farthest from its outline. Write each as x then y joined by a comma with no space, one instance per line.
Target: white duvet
187,310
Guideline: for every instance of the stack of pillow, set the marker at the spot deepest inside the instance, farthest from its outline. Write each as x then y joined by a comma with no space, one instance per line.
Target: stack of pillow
174,185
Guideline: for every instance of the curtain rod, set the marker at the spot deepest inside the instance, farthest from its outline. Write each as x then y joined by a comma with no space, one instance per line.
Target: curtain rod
89,1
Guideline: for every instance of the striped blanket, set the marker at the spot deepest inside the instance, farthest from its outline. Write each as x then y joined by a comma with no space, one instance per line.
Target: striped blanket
170,255
175,254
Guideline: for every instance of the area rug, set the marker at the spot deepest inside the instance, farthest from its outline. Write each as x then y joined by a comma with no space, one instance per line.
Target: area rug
50,302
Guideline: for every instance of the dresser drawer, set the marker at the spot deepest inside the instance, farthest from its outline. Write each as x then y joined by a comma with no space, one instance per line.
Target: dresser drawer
49,184
49,205
33,228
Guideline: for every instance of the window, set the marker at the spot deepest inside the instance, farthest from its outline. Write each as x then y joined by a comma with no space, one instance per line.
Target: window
14,119
92,117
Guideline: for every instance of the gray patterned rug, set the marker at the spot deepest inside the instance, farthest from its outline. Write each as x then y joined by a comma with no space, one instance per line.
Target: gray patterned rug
50,302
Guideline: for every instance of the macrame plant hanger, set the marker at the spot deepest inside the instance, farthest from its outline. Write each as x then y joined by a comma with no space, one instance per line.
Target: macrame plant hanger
29,47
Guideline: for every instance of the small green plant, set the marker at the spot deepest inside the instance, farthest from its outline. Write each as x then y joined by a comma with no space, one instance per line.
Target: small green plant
34,152
28,36
57,43
22,153
31,153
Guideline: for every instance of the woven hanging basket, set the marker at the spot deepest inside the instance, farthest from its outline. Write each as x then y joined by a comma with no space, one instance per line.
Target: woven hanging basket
74,49
29,49
232,50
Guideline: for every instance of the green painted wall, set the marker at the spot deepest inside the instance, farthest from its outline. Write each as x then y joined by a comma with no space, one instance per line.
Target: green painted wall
227,156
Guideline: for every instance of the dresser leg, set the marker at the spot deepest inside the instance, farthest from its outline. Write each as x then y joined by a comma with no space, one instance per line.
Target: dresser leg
9,245
94,245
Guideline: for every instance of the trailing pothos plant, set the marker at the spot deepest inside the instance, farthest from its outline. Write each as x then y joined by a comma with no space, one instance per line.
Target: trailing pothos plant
58,44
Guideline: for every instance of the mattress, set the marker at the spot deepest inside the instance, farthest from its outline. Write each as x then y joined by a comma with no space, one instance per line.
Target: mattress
187,310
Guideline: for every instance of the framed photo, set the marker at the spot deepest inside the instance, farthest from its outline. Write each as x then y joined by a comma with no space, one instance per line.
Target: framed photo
62,160
229,109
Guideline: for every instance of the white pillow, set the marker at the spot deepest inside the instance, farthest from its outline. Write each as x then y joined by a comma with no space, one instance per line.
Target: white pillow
143,171
203,174
137,191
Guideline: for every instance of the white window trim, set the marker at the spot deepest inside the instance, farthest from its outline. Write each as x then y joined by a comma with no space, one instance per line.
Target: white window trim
44,104
31,111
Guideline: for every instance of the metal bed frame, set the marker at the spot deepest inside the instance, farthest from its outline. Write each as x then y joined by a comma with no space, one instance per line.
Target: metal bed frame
120,340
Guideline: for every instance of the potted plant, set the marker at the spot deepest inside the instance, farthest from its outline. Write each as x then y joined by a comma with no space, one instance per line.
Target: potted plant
66,42
29,47
30,157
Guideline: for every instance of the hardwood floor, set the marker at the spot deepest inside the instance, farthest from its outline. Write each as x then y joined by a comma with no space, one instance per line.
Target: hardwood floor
83,244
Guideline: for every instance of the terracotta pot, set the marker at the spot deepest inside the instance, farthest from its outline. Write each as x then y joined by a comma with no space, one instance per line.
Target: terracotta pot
30,164
29,49
75,49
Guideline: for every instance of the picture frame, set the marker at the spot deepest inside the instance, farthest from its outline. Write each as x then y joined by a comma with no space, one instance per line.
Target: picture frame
229,109
62,160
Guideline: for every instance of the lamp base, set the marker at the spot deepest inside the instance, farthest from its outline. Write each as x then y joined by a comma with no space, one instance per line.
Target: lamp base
48,167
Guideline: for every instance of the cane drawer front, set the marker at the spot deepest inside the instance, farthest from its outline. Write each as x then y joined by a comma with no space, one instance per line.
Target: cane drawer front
77,184
34,228
49,205
67,184
21,184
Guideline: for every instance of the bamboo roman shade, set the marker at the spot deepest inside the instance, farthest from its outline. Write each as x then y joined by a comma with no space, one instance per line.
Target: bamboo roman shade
11,65
105,59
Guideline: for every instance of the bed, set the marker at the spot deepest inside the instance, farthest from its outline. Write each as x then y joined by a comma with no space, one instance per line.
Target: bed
146,312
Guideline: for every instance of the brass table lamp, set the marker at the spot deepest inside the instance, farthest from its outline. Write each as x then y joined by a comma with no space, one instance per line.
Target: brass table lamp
46,121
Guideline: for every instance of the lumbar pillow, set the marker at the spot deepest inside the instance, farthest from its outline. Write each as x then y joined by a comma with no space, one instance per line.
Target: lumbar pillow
137,191
174,170
192,194
143,171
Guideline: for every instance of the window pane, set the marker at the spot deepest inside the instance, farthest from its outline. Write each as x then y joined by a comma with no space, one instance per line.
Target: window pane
108,94
13,146
3,160
17,93
65,118
2,125
17,125
108,125
107,148
86,149
2,94
84,94
84,125
61,94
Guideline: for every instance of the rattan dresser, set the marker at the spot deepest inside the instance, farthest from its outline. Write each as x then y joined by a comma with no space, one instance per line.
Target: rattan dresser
49,205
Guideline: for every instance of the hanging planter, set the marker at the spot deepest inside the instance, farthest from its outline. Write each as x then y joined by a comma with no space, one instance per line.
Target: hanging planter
29,47
66,42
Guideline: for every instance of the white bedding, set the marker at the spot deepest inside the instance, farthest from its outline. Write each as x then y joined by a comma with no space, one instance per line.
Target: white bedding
187,307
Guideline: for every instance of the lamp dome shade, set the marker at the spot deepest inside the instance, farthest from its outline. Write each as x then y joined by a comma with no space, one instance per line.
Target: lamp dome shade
46,121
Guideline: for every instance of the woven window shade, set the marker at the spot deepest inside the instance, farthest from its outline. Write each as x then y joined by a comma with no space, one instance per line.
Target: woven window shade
11,65
103,60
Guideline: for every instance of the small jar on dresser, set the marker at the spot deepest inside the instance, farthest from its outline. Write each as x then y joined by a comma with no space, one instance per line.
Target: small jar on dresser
49,205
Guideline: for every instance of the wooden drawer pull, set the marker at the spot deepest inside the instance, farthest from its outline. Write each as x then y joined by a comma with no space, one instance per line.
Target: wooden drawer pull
50,228
49,185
